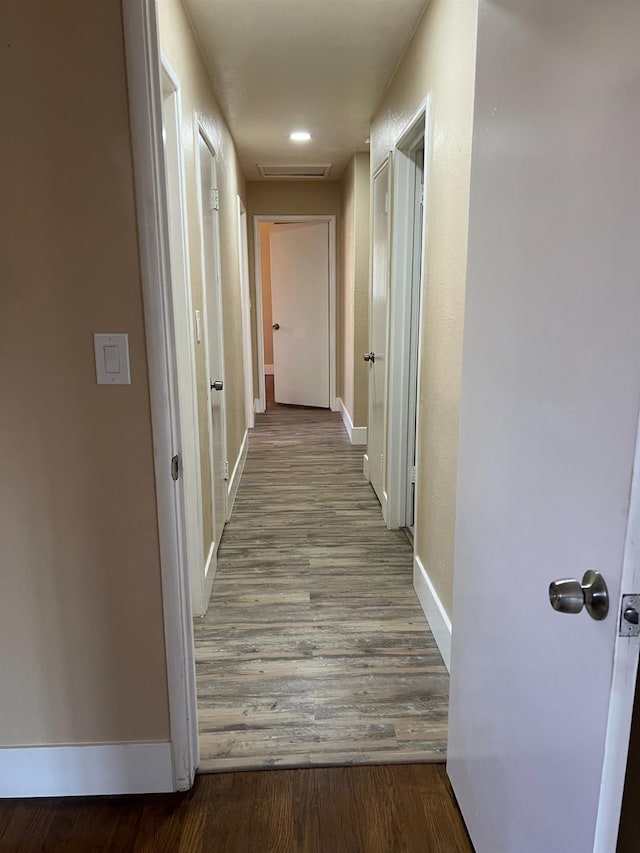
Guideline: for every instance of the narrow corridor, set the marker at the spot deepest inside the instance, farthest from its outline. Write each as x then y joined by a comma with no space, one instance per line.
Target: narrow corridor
315,650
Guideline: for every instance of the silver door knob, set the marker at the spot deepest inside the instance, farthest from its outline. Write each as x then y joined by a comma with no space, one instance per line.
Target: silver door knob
217,385
369,356
568,595
275,327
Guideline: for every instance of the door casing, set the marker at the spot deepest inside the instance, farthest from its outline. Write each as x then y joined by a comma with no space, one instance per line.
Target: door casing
405,315
213,314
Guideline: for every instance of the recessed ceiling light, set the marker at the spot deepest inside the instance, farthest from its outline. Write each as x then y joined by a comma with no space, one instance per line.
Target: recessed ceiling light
300,136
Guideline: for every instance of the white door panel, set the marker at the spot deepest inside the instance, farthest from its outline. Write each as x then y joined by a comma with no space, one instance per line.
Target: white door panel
549,413
214,342
379,330
300,307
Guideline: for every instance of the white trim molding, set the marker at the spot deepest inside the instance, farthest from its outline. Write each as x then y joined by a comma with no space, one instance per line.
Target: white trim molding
433,609
145,107
405,311
258,408
365,467
87,770
236,475
357,435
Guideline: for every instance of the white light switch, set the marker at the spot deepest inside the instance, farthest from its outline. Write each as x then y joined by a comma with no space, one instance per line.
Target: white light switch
112,359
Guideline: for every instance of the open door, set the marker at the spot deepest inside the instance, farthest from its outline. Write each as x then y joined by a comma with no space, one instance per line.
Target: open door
377,357
541,699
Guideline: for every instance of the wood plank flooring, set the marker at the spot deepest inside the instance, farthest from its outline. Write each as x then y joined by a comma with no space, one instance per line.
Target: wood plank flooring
406,809
314,650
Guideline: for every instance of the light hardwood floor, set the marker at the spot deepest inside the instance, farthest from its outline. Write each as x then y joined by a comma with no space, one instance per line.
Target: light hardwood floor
314,650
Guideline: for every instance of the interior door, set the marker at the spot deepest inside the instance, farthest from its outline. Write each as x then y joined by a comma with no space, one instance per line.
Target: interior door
549,414
300,312
214,335
378,341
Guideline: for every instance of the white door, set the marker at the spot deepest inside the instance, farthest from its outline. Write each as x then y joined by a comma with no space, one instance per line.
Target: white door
300,312
180,332
378,338
549,412
214,338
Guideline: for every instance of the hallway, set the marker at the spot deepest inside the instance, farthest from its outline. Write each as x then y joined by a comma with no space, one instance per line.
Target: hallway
314,650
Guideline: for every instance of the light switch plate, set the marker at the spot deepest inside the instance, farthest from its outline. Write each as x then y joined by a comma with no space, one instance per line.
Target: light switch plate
112,359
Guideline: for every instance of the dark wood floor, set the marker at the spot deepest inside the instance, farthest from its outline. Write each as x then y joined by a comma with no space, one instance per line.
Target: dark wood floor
315,650
391,809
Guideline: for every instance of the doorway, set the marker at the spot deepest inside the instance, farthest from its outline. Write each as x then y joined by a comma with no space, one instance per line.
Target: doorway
295,274
211,330
405,305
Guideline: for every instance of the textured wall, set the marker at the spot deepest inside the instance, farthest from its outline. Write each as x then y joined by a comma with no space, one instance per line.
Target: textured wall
362,183
180,48
265,281
355,288
81,627
440,61
348,264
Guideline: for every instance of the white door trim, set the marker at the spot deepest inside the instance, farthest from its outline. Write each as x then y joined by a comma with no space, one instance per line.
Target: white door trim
331,221
245,295
387,163
183,322
623,679
145,105
199,128
402,256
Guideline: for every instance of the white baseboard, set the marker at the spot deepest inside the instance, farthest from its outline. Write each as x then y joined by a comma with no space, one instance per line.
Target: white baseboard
236,476
357,435
258,408
79,771
434,611
365,467
268,370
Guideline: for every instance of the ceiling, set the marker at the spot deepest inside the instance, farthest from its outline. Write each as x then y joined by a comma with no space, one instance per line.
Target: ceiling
317,65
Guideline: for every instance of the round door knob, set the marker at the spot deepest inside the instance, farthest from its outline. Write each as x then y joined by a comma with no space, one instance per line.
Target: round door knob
217,385
568,595
275,327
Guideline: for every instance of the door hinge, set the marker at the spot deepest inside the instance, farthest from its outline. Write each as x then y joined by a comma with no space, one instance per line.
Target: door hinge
413,473
630,615
226,470
175,467
386,202
214,199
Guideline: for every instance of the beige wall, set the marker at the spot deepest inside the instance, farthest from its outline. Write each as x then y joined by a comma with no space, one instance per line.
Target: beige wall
292,198
180,48
441,62
81,631
355,287
265,281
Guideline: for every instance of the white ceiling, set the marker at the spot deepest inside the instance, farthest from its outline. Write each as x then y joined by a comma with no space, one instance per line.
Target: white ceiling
316,65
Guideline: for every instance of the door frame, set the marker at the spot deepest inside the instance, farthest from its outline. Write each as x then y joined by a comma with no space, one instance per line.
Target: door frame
401,319
199,128
260,405
245,296
182,309
145,107
387,163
